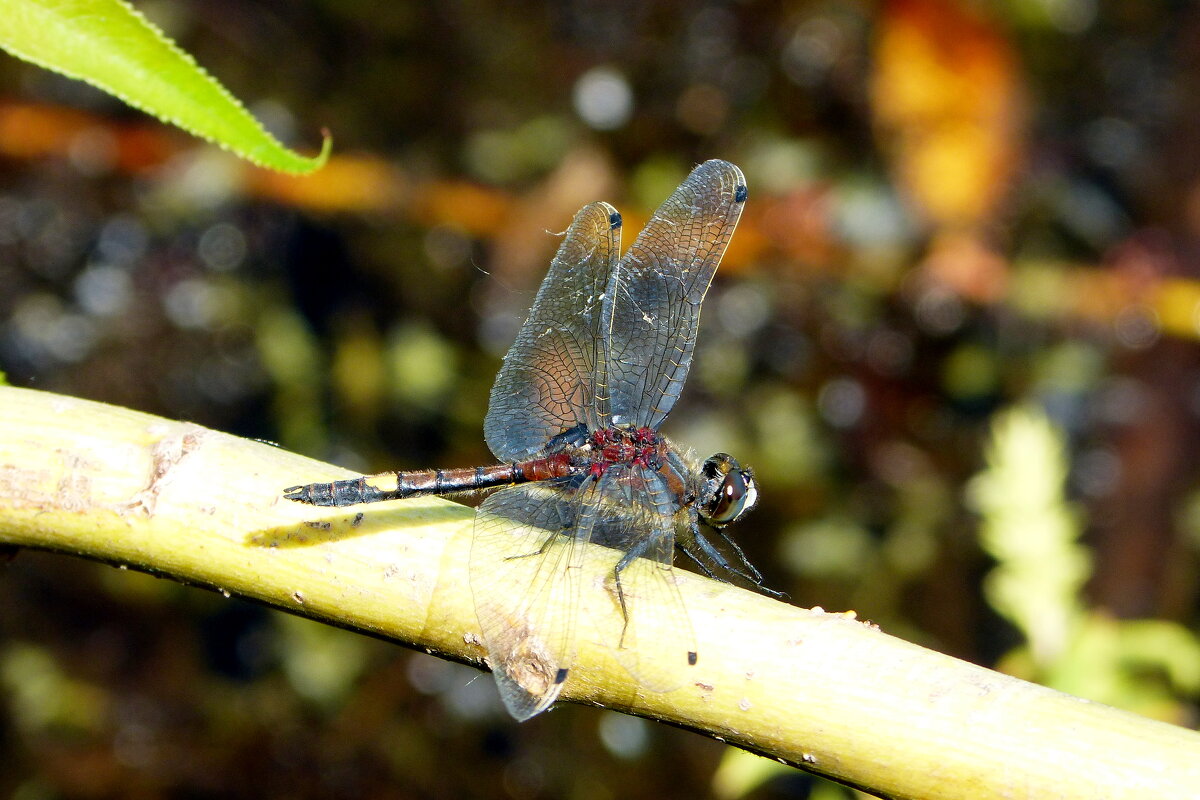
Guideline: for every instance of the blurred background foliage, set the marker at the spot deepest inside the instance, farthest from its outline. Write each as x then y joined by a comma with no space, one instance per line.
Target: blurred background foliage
956,334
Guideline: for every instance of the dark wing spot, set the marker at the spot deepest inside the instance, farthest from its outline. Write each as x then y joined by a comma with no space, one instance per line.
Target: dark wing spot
560,676
614,221
691,658
740,194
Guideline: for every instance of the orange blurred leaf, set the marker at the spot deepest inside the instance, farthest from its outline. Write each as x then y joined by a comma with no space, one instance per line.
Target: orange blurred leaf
477,210
348,183
947,102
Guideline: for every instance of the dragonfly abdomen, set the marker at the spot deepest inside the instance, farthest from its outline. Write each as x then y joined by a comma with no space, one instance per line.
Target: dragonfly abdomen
398,485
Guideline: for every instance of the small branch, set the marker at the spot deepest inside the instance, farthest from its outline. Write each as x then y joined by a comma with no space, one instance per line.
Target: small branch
821,691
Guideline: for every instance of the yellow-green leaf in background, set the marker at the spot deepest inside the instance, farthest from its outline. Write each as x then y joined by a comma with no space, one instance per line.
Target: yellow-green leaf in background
110,45
1032,530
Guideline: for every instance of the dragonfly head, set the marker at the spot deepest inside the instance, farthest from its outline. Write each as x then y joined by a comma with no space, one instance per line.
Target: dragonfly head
728,490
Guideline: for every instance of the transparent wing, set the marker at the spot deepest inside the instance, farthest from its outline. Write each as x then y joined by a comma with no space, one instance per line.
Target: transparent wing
526,536
652,637
533,535
652,303
547,383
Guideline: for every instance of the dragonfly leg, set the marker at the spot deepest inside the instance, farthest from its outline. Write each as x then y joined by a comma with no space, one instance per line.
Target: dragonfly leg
699,564
758,578
743,569
549,540
635,552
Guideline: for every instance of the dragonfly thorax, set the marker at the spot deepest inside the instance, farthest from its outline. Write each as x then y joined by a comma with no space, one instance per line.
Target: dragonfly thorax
636,446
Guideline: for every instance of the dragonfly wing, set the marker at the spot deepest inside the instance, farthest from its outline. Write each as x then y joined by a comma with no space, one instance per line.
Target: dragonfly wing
547,384
652,303
636,508
527,536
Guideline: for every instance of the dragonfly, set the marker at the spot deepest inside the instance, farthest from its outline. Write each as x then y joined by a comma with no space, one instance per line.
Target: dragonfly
574,420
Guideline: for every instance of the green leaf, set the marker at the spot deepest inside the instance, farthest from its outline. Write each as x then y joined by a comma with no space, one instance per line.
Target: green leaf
110,45
1032,531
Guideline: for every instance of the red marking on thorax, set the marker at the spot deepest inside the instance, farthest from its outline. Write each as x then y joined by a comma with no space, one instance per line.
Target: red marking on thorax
639,446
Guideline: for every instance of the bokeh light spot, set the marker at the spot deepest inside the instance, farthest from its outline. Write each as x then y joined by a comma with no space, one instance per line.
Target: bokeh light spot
603,98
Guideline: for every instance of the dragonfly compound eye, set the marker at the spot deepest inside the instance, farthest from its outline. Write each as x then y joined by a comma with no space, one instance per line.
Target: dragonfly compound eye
729,491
